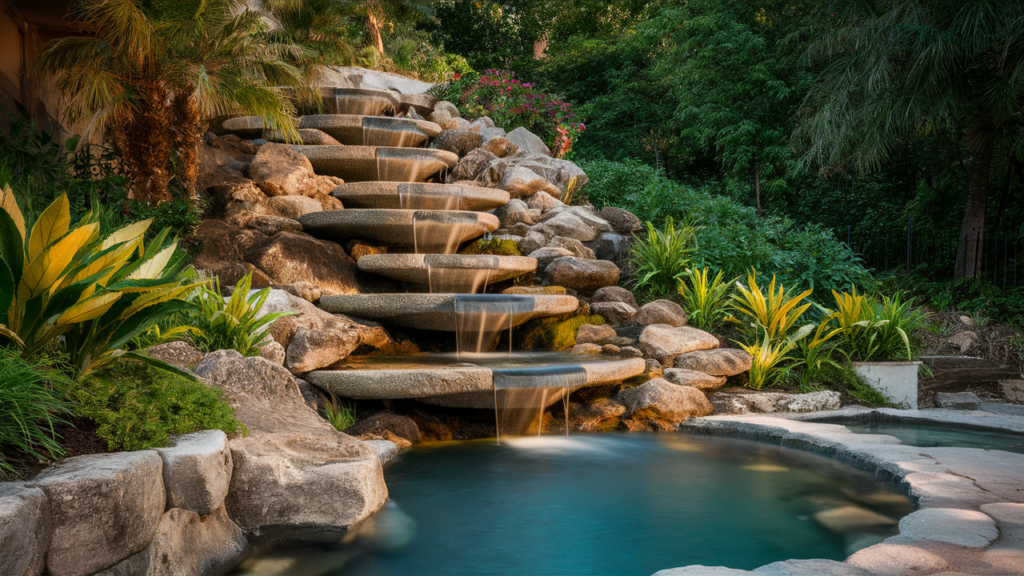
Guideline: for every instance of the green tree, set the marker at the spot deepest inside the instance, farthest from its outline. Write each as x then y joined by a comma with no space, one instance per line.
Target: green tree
150,74
892,70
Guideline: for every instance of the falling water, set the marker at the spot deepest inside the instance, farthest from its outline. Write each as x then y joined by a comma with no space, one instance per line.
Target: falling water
407,164
522,394
391,132
359,103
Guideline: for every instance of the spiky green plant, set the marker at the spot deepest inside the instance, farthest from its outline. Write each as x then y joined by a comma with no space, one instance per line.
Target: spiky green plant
340,415
31,404
234,323
705,302
774,314
660,257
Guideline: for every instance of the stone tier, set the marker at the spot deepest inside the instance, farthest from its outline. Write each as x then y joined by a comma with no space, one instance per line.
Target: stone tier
462,273
373,163
419,196
350,130
438,311
426,230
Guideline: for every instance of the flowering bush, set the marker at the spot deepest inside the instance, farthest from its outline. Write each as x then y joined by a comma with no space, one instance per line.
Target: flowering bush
512,103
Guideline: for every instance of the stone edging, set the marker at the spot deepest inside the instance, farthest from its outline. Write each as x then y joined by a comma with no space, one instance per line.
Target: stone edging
971,516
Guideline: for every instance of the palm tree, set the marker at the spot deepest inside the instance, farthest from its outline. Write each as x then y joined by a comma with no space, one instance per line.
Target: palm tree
895,69
151,74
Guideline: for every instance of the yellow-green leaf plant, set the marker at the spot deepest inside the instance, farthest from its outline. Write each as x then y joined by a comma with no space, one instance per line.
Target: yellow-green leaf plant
705,302
766,356
98,294
775,313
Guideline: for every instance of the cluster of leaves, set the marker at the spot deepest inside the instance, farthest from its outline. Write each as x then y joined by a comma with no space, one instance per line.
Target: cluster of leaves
511,103
234,323
137,406
31,403
660,257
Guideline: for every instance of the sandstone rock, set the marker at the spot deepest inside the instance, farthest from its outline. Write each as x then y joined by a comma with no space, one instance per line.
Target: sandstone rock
289,258
500,147
543,201
528,141
615,294
1013,390
661,400
600,415
457,124
546,256
273,352
472,165
295,472
269,224
280,171
401,426
386,450
684,377
812,567
568,225
616,313
224,171
312,349
586,349
594,333
622,221
720,362
180,354
186,544
631,352
532,242
484,122
583,276
446,106
575,246
610,349
512,213
492,133
562,174
770,402
586,213
957,400
104,507
521,182
440,117
458,141
610,246
293,207
25,529
197,471
665,342
660,312
900,559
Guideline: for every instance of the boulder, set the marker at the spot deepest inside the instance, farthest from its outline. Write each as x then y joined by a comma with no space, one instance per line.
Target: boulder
811,567
521,182
222,173
289,258
660,312
631,352
312,349
457,124
104,508
583,276
594,333
964,340
546,256
586,213
386,450
532,242
957,400
186,544
293,207
273,351
659,399
621,221
401,426
458,141
512,213
528,141
684,377
484,122
180,354
25,529
543,201
295,473
615,294
720,362
664,342
568,225
500,147
448,107
586,349
600,415
563,174
280,171
197,471
366,79
769,402
472,165
252,217
575,246
492,133
440,117
1013,390
616,313
610,246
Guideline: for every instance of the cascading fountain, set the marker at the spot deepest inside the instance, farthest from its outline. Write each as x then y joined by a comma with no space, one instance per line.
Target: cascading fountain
393,195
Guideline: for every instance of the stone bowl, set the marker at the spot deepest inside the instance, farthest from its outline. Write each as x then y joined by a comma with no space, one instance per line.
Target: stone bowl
429,231
381,131
419,196
460,273
372,163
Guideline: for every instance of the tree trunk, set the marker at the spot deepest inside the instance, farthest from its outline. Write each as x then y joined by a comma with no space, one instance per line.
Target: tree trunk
144,143
374,20
757,185
190,134
972,228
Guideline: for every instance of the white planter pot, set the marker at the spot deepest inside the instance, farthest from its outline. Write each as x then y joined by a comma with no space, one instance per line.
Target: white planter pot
897,381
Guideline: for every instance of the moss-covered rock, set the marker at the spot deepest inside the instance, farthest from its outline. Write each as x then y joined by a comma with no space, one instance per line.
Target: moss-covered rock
494,247
536,290
556,333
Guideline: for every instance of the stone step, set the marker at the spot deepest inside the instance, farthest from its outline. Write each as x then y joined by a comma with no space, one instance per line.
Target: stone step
434,230
460,273
347,129
467,386
374,163
419,196
438,311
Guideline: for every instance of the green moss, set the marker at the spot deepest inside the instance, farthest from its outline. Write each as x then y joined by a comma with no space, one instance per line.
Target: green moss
136,406
495,247
556,333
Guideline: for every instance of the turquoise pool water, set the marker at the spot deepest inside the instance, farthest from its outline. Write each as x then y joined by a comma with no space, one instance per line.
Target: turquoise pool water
604,504
932,435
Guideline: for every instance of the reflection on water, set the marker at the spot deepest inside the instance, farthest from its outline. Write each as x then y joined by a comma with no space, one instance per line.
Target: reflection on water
605,504
926,435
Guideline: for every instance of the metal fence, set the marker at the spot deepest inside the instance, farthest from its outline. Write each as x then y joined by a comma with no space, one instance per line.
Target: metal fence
934,252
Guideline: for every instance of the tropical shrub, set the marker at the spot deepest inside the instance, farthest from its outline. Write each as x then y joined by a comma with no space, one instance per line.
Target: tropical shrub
875,328
766,357
234,323
705,302
512,103
338,414
773,315
97,293
31,402
660,258
137,407
815,355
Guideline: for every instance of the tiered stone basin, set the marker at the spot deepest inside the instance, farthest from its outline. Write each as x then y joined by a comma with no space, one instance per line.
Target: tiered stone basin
464,385
358,101
396,227
456,272
419,195
373,163
438,311
354,130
